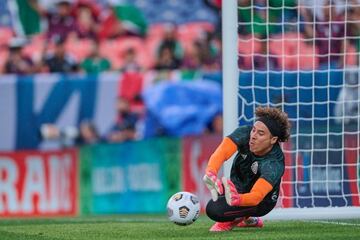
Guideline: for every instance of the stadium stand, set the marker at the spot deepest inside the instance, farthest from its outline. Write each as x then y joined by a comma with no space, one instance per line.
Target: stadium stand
292,53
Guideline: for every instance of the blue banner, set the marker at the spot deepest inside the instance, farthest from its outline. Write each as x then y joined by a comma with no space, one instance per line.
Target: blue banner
304,95
326,177
27,102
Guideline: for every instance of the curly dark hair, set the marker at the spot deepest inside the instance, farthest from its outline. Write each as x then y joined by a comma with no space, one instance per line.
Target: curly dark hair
278,116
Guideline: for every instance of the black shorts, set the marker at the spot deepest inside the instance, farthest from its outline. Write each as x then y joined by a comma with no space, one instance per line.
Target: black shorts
220,211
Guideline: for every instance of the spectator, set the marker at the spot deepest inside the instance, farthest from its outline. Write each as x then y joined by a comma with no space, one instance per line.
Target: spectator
353,28
192,59
110,26
87,19
261,61
170,41
60,22
59,60
17,63
215,5
125,127
347,104
284,12
55,137
328,34
215,126
167,60
253,18
130,64
88,134
208,52
95,63
69,136
265,60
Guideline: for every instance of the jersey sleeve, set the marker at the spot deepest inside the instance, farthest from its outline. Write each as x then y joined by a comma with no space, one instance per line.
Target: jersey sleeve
272,171
241,137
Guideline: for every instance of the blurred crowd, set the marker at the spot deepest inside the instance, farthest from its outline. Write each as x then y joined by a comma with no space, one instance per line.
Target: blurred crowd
84,36
298,35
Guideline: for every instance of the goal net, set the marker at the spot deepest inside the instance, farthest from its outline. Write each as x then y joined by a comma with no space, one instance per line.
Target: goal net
303,57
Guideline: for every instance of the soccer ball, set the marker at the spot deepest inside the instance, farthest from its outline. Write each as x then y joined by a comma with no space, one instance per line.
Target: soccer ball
183,208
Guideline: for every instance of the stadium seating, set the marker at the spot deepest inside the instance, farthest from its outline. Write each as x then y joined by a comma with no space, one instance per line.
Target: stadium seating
35,47
114,50
248,45
6,34
193,18
79,48
3,57
189,32
351,55
156,30
292,52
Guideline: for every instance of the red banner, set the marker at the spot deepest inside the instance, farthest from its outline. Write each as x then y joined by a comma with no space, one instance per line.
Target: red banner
34,183
352,154
196,153
286,193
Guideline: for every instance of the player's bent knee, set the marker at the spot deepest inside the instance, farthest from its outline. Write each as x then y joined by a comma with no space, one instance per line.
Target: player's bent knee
212,211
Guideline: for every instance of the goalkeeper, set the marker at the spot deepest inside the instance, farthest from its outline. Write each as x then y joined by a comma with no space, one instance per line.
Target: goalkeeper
253,188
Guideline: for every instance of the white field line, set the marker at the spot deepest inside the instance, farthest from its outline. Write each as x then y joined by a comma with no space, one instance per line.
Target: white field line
336,223
120,219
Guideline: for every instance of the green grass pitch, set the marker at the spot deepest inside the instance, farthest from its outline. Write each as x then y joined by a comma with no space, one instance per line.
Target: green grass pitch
158,227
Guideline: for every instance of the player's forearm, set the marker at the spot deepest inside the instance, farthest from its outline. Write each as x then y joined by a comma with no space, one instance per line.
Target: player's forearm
223,152
260,189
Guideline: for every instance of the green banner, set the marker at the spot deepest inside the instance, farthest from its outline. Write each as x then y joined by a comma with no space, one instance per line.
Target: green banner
132,177
85,156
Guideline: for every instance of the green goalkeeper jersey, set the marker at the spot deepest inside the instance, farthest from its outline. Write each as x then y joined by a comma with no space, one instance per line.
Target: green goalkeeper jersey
248,168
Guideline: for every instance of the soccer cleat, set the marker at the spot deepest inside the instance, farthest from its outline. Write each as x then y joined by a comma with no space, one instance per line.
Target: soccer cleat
225,226
251,222
222,226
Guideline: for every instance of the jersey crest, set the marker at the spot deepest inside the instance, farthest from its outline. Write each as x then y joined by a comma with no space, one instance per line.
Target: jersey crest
254,167
274,196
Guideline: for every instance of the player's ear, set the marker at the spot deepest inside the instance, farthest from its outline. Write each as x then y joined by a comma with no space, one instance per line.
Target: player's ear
273,140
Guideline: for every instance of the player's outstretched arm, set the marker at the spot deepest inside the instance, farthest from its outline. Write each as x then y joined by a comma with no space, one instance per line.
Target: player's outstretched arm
223,152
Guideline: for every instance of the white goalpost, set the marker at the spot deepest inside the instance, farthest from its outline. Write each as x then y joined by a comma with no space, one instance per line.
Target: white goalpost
301,56
230,71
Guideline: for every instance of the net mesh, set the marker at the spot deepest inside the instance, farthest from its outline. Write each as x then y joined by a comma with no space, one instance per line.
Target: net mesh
302,56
